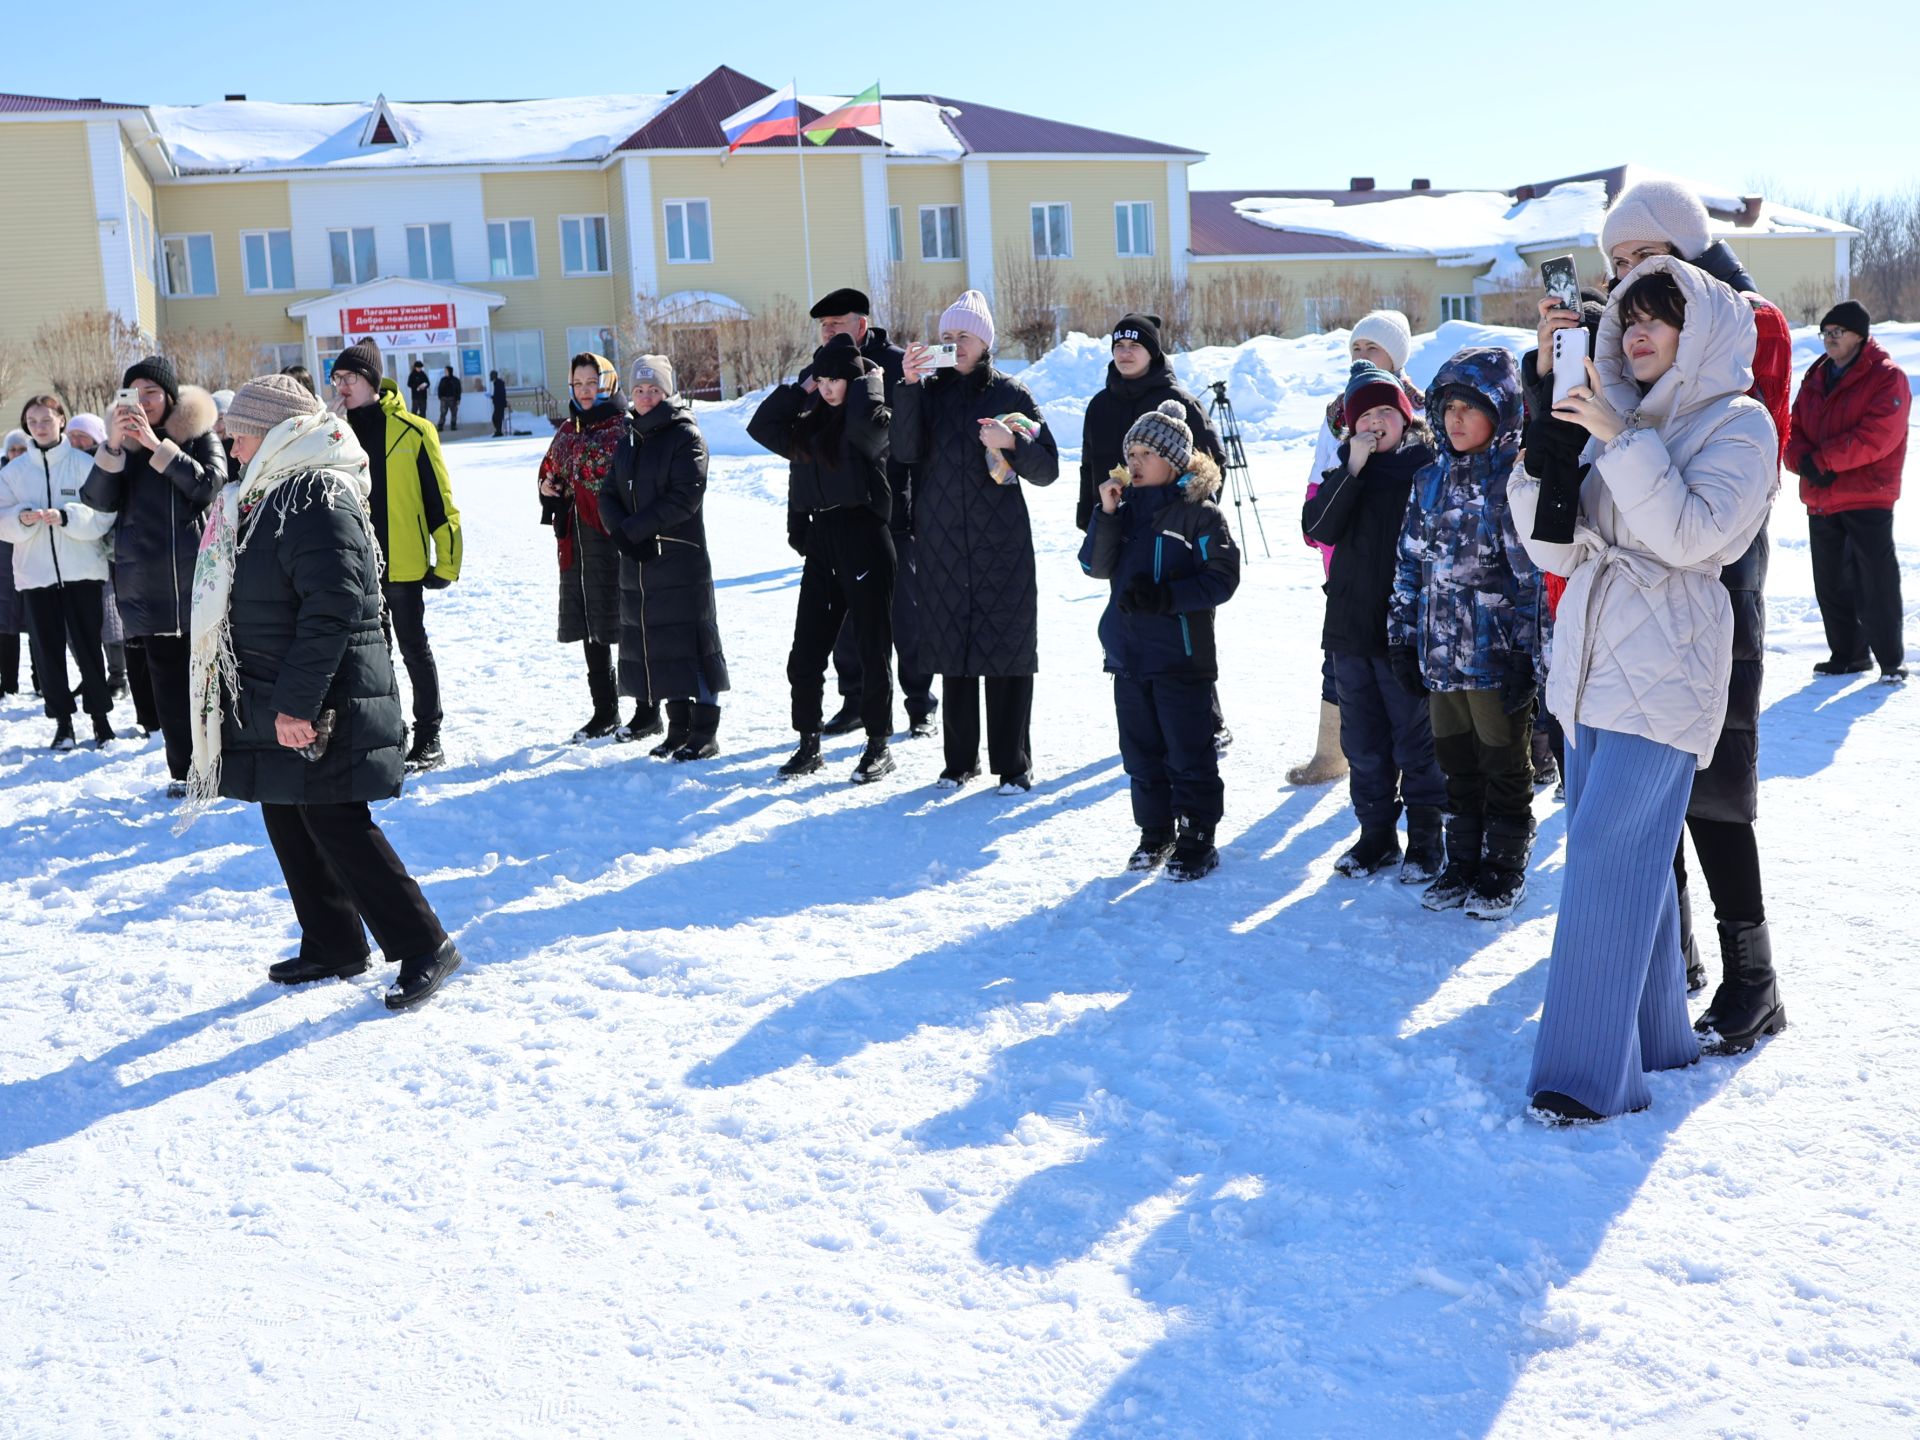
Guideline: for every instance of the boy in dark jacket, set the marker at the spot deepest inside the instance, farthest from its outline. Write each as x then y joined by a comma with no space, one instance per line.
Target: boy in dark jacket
1464,625
1357,509
1166,550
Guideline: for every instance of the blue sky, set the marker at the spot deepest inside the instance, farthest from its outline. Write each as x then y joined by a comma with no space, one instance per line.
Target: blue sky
1278,94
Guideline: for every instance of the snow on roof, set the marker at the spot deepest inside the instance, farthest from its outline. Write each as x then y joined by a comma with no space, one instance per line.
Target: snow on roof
909,127
257,135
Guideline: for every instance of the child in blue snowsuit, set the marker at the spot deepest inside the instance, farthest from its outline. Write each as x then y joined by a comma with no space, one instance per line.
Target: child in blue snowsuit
1163,544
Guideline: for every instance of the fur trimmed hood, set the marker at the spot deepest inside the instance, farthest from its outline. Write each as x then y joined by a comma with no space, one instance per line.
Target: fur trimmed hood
192,416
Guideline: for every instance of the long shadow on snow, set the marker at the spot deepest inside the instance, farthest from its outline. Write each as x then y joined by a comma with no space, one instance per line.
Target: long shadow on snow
1801,733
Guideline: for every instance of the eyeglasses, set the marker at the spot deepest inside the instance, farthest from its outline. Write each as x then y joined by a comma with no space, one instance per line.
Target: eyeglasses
1834,332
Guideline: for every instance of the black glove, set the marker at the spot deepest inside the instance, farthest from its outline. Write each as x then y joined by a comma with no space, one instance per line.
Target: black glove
436,582
1519,688
1145,597
1808,471
1404,662
639,551
797,530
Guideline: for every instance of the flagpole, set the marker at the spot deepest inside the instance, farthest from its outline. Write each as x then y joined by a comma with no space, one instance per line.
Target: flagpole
800,157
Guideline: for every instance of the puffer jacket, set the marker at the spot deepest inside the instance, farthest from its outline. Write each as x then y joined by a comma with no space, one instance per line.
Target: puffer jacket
159,501
1357,518
973,556
1856,432
1644,640
413,510
1174,535
1111,413
46,555
305,612
856,478
579,459
1466,596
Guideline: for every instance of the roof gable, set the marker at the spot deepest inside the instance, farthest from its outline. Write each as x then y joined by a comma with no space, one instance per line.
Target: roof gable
691,119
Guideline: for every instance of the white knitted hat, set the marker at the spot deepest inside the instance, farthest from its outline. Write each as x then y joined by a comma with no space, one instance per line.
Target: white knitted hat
1390,331
1659,210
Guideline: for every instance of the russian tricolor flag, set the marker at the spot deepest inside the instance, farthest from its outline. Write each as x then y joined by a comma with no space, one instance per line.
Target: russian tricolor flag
770,118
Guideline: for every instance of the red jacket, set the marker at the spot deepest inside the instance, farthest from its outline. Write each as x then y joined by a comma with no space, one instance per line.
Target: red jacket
1772,364
1857,432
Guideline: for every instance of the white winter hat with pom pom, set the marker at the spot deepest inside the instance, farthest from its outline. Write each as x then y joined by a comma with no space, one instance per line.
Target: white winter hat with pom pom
1164,431
1662,211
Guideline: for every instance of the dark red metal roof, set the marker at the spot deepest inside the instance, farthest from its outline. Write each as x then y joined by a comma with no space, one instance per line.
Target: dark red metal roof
34,104
1219,229
691,120
987,129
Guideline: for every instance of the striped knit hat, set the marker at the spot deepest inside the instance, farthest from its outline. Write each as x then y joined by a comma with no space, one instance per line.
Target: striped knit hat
261,404
1164,431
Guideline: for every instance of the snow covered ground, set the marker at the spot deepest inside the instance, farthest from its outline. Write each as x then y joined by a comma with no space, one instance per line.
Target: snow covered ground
814,1110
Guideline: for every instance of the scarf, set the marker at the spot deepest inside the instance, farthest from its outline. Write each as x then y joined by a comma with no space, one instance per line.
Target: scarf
320,448
1024,427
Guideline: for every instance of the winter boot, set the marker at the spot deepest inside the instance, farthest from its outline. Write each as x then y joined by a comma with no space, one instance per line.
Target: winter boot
1838,666
1690,947
875,761
921,727
420,977
1464,837
645,722
425,753
1426,845
1377,848
953,779
1015,784
1156,844
62,735
1328,762
805,760
1502,881
679,727
1747,1005
702,742
1193,852
301,969
845,720
1222,740
1550,1107
103,735
606,707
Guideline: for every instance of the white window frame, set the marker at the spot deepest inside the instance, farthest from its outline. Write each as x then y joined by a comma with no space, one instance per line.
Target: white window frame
539,375
666,216
1048,206
353,256
1467,304
1132,250
274,353
1311,308
896,236
429,226
606,244
266,252
959,246
192,292
533,246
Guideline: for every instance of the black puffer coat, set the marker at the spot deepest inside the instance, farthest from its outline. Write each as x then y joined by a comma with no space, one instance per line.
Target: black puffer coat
305,610
1361,517
973,560
161,500
890,358
652,503
1111,413
855,478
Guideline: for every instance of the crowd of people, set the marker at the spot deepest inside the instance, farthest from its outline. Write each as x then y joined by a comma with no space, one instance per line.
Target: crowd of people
1519,590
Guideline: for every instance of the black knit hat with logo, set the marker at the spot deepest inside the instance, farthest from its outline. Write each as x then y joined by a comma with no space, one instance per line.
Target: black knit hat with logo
1143,330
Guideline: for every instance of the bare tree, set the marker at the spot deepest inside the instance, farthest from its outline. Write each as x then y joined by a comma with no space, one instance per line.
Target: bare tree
83,354
1027,300
765,348
1233,305
13,370
902,306
220,359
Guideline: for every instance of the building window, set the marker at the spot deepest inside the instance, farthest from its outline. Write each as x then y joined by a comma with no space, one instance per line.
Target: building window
689,232
267,256
1052,232
353,259
583,245
1460,307
430,252
939,232
275,358
592,339
510,250
188,261
896,248
521,358
1133,228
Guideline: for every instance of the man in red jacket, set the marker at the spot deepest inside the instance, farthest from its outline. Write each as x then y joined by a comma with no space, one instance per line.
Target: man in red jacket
1848,446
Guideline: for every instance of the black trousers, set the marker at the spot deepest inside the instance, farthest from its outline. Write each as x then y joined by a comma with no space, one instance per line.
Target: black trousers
1730,859
449,414
848,579
419,398
341,872
916,684
1009,723
1485,753
1166,744
1387,736
140,686
167,658
1856,579
407,632
499,419
10,663
69,617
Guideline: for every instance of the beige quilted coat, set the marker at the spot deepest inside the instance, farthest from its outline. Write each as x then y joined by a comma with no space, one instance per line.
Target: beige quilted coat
1643,642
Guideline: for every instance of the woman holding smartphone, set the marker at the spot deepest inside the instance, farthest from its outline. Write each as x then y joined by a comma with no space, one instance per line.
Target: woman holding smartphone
979,600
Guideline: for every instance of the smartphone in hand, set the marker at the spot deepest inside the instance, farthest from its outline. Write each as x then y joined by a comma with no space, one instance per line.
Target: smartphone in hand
1561,277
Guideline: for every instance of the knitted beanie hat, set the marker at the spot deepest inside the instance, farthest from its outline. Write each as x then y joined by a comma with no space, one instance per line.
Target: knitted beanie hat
159,370
1144,331
1369,386
1848,314
90,425
362,360
838,359
221,400
1390,331
14,438
1164,431
969,315
655,370
1662,211
265,402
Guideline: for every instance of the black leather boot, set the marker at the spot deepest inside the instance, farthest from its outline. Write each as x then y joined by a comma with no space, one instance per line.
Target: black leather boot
1747,1005
1465,836
679,727
701,742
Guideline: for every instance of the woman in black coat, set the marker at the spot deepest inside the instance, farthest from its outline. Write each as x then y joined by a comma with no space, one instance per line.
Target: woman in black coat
160,467
979,597
651,504
295,702
832,430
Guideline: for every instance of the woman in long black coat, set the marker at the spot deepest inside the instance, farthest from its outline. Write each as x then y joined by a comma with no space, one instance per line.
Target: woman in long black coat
295,705
669,622
979,597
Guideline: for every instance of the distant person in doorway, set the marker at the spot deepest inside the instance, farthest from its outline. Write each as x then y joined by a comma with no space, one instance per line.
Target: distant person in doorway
418,384
449,392
499,391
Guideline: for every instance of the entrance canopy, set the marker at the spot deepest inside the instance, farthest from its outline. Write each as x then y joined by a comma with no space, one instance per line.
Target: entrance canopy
436,323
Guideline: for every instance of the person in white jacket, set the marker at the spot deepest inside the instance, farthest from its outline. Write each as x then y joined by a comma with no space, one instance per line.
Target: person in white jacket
1674,479
59,566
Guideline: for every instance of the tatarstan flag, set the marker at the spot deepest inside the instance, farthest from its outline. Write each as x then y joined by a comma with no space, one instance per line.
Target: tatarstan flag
862,109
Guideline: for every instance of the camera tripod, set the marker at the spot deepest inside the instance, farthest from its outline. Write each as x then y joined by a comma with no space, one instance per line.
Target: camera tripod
1239,476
